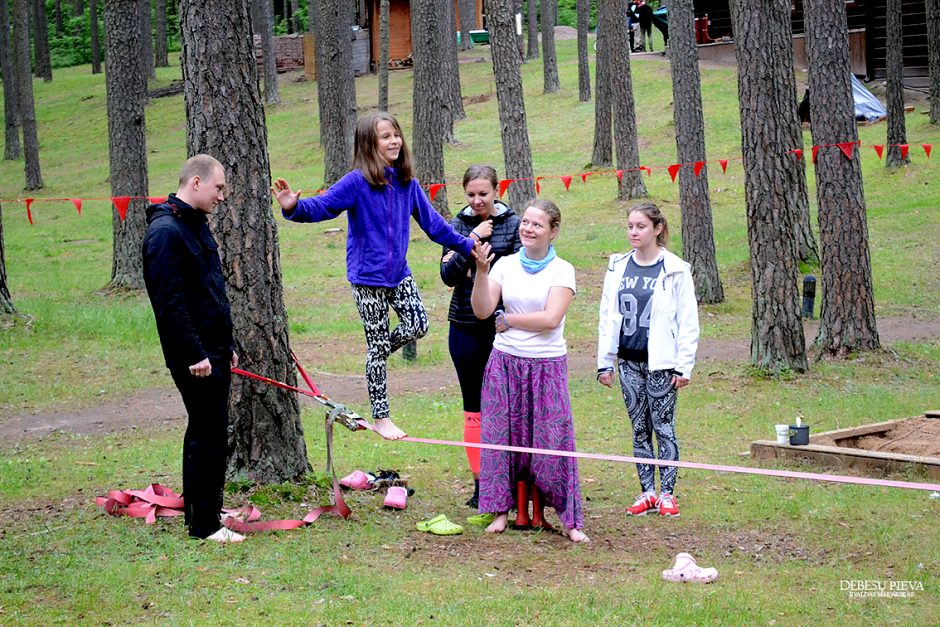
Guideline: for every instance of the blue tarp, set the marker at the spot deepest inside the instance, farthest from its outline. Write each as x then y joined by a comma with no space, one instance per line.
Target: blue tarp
867,107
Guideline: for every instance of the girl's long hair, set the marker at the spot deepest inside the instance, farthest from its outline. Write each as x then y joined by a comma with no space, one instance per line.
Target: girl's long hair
655,216
366,157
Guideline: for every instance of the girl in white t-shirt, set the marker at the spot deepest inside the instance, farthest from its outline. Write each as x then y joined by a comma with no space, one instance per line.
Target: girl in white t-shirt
525,387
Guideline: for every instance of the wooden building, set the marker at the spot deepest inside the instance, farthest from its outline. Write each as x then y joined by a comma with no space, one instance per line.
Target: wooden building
399,31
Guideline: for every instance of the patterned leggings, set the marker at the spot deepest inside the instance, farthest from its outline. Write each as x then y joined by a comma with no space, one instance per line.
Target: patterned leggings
373,304
651,405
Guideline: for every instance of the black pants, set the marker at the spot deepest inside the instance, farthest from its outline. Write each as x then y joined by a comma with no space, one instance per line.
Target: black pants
470,347
205,446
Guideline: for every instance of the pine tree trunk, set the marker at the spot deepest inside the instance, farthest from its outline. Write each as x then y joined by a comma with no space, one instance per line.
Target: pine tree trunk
127,138
6,300
59,30
295,17
263,13
602,153
430,106
146,42
225,118
467,13
95,42
762,31
933,57
698,238
847,315
336,88
160,55
584,68
42,66
894,73
532,51
78,7
550,80
383,55
453,101
626,145
24,92
11,118
509,96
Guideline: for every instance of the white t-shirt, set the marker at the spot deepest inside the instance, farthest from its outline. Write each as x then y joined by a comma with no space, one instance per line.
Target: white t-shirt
528,293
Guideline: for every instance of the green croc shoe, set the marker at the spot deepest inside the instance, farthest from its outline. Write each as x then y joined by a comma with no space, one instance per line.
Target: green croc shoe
439,526
481,520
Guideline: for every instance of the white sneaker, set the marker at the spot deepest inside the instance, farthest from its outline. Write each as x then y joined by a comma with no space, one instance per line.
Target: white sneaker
226,535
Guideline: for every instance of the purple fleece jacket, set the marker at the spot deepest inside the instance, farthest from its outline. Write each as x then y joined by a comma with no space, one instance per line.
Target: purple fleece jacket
379,225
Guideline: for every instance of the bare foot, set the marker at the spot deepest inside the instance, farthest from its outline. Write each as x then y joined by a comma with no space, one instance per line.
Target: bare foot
575,535
499,523
224,535
387,429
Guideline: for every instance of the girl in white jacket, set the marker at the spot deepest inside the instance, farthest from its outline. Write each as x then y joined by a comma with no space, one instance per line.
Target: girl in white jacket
648,330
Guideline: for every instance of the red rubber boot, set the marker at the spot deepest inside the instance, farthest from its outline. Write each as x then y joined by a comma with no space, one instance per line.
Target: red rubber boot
522,506
538,510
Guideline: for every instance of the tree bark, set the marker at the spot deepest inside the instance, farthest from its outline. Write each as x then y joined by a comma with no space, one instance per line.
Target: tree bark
95,43
263,15
383,55
603,151
42,66
847,315
146,42
11,117
532,51
126,86
453,100
6,300
294,16
550,82
160,55
626,146
467,13
78,7
698,238
59,30
761,31
512,118
335,87
894,73
225,118
430,106
933,57
24,92
584,68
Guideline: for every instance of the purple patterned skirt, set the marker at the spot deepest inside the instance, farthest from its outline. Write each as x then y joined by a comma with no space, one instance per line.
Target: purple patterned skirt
526,403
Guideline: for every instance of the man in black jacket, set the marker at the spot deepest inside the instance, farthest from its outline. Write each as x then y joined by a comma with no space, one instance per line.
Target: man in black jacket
187,290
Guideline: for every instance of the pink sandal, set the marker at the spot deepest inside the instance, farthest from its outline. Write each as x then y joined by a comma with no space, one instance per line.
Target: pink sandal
685,570
356,480
397,497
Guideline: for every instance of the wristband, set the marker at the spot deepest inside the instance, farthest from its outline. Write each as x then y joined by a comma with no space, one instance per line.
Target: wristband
474,234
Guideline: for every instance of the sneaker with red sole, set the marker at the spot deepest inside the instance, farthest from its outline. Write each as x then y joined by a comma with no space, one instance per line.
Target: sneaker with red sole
644,504
667,506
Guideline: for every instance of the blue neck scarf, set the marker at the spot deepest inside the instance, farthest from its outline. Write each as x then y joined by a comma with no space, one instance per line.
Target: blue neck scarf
536,266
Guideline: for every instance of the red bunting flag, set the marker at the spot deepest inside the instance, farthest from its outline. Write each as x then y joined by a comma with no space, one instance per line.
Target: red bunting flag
698,167
847,148
798,152
538,188
815,153
673,170
121,203
620,175
649,171
503,185
724,165
879,148
78,204
567,181
29,213
157,200
433,189
904,149
587,174
927,148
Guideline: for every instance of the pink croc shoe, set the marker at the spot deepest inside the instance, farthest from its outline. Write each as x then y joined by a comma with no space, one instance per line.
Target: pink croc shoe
685,570
356,480
397,497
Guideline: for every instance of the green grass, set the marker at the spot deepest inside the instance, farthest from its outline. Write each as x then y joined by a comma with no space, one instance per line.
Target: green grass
782,547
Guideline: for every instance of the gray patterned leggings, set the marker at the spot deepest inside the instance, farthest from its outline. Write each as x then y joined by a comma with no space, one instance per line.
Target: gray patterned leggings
651,405
373,304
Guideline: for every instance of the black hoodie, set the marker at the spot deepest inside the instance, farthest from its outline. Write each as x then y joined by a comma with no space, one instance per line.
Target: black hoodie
186,287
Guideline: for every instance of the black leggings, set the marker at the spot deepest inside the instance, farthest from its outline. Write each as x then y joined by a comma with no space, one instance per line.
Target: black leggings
470,347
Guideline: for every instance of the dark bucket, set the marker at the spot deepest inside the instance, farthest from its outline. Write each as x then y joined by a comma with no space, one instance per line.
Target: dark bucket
799,435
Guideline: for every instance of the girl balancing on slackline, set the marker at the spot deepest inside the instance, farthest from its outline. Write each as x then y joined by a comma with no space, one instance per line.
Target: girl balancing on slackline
380,196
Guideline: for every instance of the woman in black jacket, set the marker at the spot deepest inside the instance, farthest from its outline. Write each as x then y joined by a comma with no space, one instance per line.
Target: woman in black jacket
471,339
